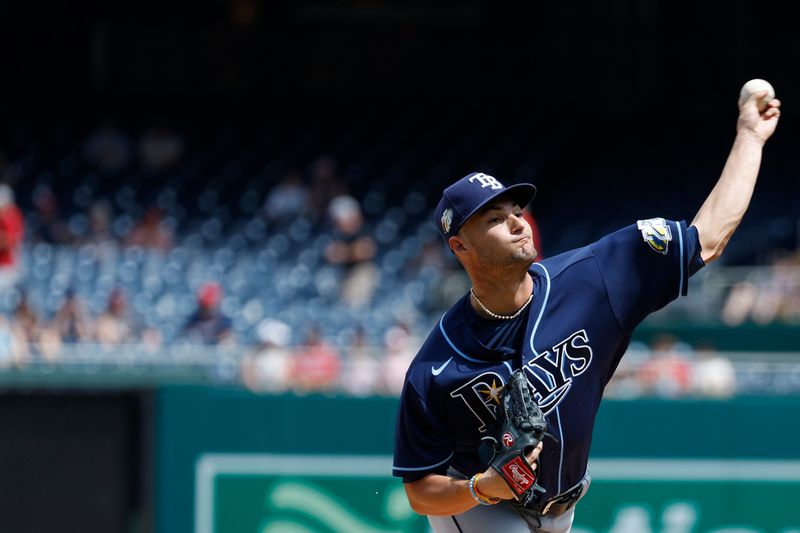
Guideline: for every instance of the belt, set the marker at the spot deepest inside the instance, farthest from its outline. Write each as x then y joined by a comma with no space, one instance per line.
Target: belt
563,502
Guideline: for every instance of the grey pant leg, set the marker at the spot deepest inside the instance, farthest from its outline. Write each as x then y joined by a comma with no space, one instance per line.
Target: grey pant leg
481,519
498,518
558,524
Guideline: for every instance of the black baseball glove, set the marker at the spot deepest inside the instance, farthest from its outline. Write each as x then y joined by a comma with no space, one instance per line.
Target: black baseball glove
520,427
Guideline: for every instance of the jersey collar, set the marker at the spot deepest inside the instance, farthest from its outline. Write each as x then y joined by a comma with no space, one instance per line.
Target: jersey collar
456,331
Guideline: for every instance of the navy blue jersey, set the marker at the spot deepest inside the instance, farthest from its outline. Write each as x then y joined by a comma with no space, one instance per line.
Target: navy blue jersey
586,304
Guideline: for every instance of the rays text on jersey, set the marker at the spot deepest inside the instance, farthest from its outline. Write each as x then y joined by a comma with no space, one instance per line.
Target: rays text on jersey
550,374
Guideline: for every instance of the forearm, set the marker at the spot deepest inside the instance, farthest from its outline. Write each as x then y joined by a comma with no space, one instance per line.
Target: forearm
440,496
724,208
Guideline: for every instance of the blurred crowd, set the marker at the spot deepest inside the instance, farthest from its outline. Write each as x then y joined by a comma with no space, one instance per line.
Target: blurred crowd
373,275
670,368
272,363
767,295
276,358
363,368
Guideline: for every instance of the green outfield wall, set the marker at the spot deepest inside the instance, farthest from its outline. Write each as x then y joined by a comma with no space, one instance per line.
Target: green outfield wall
228,461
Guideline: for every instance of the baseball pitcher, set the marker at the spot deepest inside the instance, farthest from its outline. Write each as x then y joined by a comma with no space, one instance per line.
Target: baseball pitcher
496,416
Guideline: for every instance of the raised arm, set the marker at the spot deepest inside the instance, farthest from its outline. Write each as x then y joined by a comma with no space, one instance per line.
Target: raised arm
724,208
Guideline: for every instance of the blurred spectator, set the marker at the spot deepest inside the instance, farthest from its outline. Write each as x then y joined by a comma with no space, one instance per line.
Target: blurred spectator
99,233
445,279
770,298
50,343
41,338
325,184
71,321
315,365
668,372
626,383
160,149
739,303
151,338
362,368
288,200
13,348
32,328
108,149
27,318
114,325
266,367
151,232
48,227
12,231
714,375
354,249
431,258
207,324
401,347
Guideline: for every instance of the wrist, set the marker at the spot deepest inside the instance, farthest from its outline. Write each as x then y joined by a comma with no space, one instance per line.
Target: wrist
747,136
477,495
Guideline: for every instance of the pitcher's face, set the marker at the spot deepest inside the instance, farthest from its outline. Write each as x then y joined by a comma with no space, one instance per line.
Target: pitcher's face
497,235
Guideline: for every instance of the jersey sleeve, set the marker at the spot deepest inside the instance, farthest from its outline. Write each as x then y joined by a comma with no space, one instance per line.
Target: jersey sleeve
421,446
647,265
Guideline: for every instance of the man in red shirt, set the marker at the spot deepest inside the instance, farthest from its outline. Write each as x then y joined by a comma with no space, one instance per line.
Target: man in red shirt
12,231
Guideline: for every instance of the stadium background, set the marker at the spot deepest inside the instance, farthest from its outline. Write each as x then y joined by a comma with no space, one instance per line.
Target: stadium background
617,110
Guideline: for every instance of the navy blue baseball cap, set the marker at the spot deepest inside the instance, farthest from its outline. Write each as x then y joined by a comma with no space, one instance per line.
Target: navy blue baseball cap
468,195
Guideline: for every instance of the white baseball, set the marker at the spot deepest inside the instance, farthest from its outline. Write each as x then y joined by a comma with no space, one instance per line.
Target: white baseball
754,86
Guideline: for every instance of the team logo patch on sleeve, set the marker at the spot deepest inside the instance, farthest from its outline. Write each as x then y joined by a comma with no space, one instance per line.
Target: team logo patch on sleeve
656,233
447,220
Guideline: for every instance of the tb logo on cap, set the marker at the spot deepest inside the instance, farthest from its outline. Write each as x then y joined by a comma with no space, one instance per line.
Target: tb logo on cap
486,181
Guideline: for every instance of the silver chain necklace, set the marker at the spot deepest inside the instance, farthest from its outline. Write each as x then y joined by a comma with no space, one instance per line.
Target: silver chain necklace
495,315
